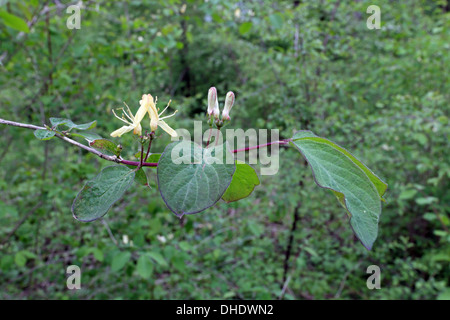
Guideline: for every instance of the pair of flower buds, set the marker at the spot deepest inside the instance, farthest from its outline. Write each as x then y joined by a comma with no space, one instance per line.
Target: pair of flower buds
213,105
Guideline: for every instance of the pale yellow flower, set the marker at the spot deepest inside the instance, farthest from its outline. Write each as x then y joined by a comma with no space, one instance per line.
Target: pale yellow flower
133,122
155,120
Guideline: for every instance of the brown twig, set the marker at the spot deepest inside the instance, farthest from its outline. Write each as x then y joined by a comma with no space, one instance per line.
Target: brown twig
290,241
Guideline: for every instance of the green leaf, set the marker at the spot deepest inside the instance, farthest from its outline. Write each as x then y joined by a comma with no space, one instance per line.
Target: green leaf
379,184
105,145
58,121
100,193
43,134
185,246
276,20
97,253
120,260
20,259
445,295
192,179
141,177
426,200
243,183
154,157
14,22
245,28
22,256
407,194
334,168
158,258
70,125
144,267
89,136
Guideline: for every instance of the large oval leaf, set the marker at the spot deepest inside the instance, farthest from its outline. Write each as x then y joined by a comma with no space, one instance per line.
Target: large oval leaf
191,178
335,169
100,193
379,184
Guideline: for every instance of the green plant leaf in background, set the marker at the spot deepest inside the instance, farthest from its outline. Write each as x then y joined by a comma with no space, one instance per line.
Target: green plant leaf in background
22,256
70,125
334,168
14,22
156,256
43,134
245,28
243,183
144,266
192,179
276,20
100,193
120,260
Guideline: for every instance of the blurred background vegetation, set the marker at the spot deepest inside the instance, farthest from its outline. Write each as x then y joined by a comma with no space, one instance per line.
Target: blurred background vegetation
382,94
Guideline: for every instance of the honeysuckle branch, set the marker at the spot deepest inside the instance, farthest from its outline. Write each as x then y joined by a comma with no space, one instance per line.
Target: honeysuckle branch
115,158
75,143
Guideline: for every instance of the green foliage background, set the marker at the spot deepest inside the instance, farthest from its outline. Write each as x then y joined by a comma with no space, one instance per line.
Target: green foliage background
382,94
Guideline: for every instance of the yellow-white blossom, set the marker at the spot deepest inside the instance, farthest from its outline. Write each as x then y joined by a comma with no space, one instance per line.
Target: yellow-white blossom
133,122
155,117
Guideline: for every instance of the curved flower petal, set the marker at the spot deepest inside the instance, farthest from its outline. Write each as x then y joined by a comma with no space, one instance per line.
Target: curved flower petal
140,114
151,108
167,129
121,131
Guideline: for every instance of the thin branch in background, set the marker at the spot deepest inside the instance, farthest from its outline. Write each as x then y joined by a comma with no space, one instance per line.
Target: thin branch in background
344,279
290,241
37,206
333,16
285,286
109,231
6,147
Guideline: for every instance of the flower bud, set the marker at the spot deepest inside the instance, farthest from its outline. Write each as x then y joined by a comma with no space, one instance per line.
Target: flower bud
229,101
213,103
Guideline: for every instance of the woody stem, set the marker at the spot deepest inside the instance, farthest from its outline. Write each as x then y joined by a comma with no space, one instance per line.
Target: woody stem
150,136
142,156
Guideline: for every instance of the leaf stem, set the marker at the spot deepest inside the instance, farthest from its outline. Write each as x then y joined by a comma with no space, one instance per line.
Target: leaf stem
282,142
150,136
209,137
